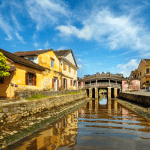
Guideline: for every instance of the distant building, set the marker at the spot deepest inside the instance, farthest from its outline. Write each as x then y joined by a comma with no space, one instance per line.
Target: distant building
142,72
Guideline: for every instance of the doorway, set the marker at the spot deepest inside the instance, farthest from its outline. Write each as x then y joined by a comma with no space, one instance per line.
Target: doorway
55,84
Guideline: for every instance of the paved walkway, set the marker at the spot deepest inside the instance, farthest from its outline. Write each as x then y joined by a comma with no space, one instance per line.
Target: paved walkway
145,92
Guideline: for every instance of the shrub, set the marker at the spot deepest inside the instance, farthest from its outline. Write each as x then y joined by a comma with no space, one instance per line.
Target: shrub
36,96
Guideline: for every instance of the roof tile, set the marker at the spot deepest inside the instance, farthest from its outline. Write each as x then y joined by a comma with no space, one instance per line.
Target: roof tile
22,61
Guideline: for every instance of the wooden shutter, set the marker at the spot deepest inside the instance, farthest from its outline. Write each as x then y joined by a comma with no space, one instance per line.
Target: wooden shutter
73,82
70,82
63,83
57,85
26,79
34,80
66,83
52,83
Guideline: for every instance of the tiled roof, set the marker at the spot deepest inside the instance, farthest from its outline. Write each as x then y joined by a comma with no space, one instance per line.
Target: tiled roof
61,52
22,61
146,59
30,53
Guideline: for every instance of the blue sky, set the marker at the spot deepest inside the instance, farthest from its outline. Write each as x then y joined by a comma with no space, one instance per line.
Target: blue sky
110,36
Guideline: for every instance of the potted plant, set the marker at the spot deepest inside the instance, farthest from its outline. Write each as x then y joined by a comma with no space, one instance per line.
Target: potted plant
148,85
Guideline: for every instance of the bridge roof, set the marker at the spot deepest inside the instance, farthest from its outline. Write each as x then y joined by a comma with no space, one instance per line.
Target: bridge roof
103,77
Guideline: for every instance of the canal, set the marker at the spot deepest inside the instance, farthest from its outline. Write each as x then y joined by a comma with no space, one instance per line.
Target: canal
99,124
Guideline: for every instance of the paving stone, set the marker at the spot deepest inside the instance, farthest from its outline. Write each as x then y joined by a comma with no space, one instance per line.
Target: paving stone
1,115
5,109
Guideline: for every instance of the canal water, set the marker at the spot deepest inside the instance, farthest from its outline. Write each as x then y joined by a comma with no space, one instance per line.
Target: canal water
100,124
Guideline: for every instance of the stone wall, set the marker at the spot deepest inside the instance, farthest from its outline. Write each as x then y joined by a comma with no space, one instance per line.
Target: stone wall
24,94
13,111
141,99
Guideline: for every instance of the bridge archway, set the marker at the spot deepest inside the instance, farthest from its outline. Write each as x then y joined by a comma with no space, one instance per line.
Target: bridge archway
112,92
87,92
93,92
118,91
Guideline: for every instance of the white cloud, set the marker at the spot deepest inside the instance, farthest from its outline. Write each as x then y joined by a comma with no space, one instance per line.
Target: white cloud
45,12
79,60
80,66
126,69
36,44
61,48
115,31
46,45
16,22
87,65
20,38
6,28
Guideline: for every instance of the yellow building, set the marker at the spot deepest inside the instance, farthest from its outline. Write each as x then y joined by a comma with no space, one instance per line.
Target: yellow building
38,70
143,72
48,60
69,69
24,74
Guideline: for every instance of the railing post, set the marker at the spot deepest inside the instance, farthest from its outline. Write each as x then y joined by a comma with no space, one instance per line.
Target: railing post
109,92
96,93
90,92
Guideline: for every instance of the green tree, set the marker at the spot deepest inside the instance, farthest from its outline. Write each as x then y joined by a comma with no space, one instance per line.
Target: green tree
3,66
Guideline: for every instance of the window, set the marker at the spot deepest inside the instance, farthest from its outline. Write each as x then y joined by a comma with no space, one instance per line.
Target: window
52,63
74,83
140,73
69,69
64,66
135,76
70,82
30,79
1,80
31,58
147,70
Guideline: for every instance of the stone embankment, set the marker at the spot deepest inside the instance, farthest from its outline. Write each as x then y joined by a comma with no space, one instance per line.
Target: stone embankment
13,111
24,94
141,99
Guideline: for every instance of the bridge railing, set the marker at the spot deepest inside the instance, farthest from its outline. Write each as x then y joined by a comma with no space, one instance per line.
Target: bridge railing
104,84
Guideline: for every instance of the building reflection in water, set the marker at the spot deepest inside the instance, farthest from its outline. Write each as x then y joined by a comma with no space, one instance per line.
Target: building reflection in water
96,114
62,133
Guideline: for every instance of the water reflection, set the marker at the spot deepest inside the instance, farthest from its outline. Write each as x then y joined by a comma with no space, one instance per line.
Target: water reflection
93,126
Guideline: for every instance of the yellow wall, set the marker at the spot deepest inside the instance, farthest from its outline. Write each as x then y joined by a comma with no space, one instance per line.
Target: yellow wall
5,90
45,61
69,75
142,68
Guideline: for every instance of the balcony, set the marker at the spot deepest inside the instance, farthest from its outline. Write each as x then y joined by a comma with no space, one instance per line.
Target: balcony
147,74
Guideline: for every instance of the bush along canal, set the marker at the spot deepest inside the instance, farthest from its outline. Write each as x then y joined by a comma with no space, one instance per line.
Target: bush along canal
97,124
12,132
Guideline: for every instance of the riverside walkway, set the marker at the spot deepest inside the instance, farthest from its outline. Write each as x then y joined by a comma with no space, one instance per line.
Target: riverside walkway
144,92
